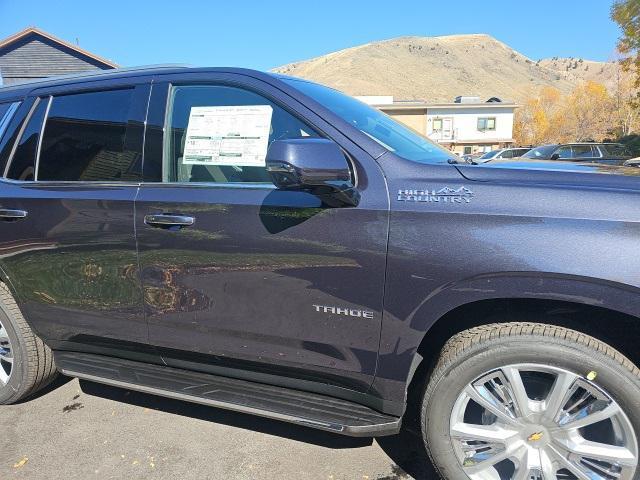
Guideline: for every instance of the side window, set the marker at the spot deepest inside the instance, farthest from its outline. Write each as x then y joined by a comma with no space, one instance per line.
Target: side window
84,138
10,124
23,162
221,134
507,154
582,151
564,152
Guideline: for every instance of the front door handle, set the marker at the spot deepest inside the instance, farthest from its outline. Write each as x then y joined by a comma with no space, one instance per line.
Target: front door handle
9,215
169,221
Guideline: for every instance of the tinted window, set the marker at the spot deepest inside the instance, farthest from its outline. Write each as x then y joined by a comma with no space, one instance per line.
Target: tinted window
228,132
582,151
614,150
490,154
24,159
543,152
507,154
564,152
84,138
389,133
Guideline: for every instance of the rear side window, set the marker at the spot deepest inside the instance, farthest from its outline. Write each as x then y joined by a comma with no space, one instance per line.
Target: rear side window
582,151
220,134
615,150
85,136
24,158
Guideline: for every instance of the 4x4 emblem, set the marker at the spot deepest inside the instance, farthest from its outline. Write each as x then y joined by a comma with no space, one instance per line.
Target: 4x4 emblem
444,195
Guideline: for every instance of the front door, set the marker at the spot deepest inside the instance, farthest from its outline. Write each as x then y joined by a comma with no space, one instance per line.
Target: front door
238,276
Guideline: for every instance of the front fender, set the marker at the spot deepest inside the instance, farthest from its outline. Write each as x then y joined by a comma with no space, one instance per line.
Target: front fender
401,337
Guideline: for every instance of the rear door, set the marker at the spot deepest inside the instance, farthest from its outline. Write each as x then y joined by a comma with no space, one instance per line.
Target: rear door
67,243
242,278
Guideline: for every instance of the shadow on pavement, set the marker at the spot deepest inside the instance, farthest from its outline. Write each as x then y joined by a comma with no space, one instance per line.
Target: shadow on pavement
405,449
410,458
58,382
224,417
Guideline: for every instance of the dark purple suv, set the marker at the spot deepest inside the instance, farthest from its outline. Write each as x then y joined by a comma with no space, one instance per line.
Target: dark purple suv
269,245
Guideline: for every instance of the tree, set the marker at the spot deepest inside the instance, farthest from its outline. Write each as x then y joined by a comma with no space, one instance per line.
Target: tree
627,113
533,120
588,113
626,13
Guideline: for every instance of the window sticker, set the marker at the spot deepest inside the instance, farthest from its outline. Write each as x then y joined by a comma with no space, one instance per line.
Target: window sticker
231,135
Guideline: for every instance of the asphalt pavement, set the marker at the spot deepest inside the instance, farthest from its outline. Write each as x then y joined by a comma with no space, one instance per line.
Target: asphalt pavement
81,430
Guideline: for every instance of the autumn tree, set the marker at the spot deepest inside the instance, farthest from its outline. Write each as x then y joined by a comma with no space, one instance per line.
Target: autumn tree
626,13
533,120
587,114
627,113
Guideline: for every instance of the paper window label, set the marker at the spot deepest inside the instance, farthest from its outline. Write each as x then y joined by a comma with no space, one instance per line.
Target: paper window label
232,135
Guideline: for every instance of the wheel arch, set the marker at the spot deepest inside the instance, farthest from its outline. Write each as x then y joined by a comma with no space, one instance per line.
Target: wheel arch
606,310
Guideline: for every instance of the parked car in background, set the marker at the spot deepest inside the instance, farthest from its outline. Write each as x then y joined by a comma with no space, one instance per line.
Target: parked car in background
633,162
607,153
499,154
470,157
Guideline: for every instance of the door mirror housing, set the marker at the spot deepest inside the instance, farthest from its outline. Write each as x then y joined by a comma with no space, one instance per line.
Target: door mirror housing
315,165
555,156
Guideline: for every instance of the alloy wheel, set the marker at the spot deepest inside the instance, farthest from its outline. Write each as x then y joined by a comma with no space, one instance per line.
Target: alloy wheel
6,356
538,422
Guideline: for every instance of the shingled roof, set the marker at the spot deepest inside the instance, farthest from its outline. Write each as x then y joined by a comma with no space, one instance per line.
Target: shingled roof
33,53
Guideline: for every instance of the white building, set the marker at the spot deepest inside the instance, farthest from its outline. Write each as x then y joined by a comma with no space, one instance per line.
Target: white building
466,125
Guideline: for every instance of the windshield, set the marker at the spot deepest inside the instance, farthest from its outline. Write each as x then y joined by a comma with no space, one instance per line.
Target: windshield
383,129
540,152
491,154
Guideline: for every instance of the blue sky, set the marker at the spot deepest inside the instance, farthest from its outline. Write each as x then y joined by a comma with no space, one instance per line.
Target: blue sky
264,34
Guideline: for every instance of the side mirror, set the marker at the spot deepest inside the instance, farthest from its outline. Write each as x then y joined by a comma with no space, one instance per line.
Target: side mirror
315,165
555,156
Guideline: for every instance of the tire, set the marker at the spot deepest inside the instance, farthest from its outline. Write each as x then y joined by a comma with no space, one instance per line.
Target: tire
545,358
32,367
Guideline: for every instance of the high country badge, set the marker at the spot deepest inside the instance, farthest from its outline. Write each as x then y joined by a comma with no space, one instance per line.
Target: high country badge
443,195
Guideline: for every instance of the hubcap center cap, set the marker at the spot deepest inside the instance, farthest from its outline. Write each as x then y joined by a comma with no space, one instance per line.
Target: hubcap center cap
536,436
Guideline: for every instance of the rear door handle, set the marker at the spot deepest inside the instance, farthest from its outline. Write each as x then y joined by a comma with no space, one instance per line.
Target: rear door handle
166,220
9,215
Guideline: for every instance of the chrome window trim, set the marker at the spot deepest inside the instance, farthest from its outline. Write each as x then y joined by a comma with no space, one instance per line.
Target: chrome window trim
44,124
25,122
598,148
98,183
232,185
70,183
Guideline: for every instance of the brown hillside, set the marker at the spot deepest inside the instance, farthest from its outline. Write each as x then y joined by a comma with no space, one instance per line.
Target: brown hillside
437,69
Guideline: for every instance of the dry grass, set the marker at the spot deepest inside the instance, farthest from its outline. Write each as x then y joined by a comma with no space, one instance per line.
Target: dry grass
437,69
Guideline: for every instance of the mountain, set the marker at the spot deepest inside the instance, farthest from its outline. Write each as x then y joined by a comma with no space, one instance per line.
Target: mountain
579,69
437,69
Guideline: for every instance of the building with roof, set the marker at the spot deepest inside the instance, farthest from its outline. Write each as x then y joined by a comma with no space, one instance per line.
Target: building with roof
33,53
466,125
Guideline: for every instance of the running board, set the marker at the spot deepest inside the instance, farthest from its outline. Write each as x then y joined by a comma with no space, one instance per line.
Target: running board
279,403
